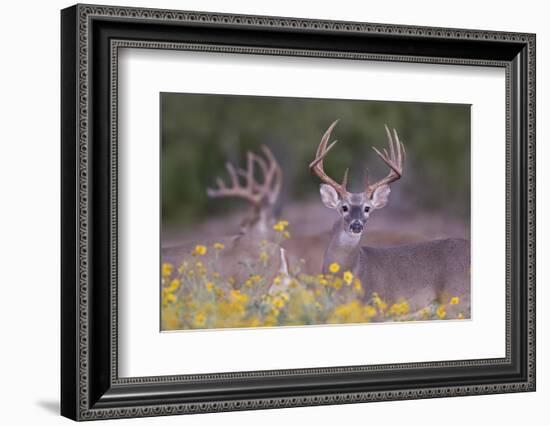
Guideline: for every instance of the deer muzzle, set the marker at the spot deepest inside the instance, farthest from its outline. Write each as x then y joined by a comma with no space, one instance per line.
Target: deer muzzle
356,227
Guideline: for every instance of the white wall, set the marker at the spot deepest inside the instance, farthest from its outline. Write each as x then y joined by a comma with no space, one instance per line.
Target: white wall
29,225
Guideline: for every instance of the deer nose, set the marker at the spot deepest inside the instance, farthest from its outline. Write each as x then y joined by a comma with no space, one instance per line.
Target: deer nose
356,227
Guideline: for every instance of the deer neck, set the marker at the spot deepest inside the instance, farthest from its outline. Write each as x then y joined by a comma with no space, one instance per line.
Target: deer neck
343,249
258,223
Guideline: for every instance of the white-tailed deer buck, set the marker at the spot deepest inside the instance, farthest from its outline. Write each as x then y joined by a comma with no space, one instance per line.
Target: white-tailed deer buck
259,184
261,195
422,273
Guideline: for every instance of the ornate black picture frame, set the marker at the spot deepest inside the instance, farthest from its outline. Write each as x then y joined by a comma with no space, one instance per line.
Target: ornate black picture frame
91,36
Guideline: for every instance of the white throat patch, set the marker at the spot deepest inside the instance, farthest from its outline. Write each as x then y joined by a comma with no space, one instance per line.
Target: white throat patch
347,239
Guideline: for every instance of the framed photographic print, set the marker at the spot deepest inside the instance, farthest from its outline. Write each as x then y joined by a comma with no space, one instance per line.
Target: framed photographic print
263,212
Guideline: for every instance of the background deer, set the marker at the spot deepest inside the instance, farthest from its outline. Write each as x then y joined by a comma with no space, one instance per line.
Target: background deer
261,194
259,184
422,273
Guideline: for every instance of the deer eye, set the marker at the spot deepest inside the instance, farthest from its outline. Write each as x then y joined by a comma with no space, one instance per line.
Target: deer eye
345,208
367,208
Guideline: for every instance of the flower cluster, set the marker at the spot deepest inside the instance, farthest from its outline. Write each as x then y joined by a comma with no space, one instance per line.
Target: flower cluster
280,227
200,250
196,295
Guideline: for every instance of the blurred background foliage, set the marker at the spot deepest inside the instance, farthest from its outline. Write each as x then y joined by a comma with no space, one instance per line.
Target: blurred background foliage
201,132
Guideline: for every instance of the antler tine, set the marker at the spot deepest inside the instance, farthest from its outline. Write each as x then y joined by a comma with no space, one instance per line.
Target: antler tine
232,174
273,178
391,142
401,150
270,169
394,159
322,149
236,189
251,189
262,163
317,168
250,171
322,146
321,157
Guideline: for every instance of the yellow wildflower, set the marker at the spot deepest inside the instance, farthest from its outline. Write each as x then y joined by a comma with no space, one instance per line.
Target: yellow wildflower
209,286
174,285
334,267
441,313
348,277
357,285
278,302
200,250
254,322
166,269
277,280
348,312
455,300
169,298
270,320
370,311
200,319
379,302
238,296
170,321
286,234
219,246
337,283
280,226
264,257
400,308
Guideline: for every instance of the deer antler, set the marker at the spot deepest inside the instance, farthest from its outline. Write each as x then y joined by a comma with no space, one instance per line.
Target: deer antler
316,165
257,193
395,160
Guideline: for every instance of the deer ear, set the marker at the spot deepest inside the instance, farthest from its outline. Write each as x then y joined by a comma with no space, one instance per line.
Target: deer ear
380,196
329,196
